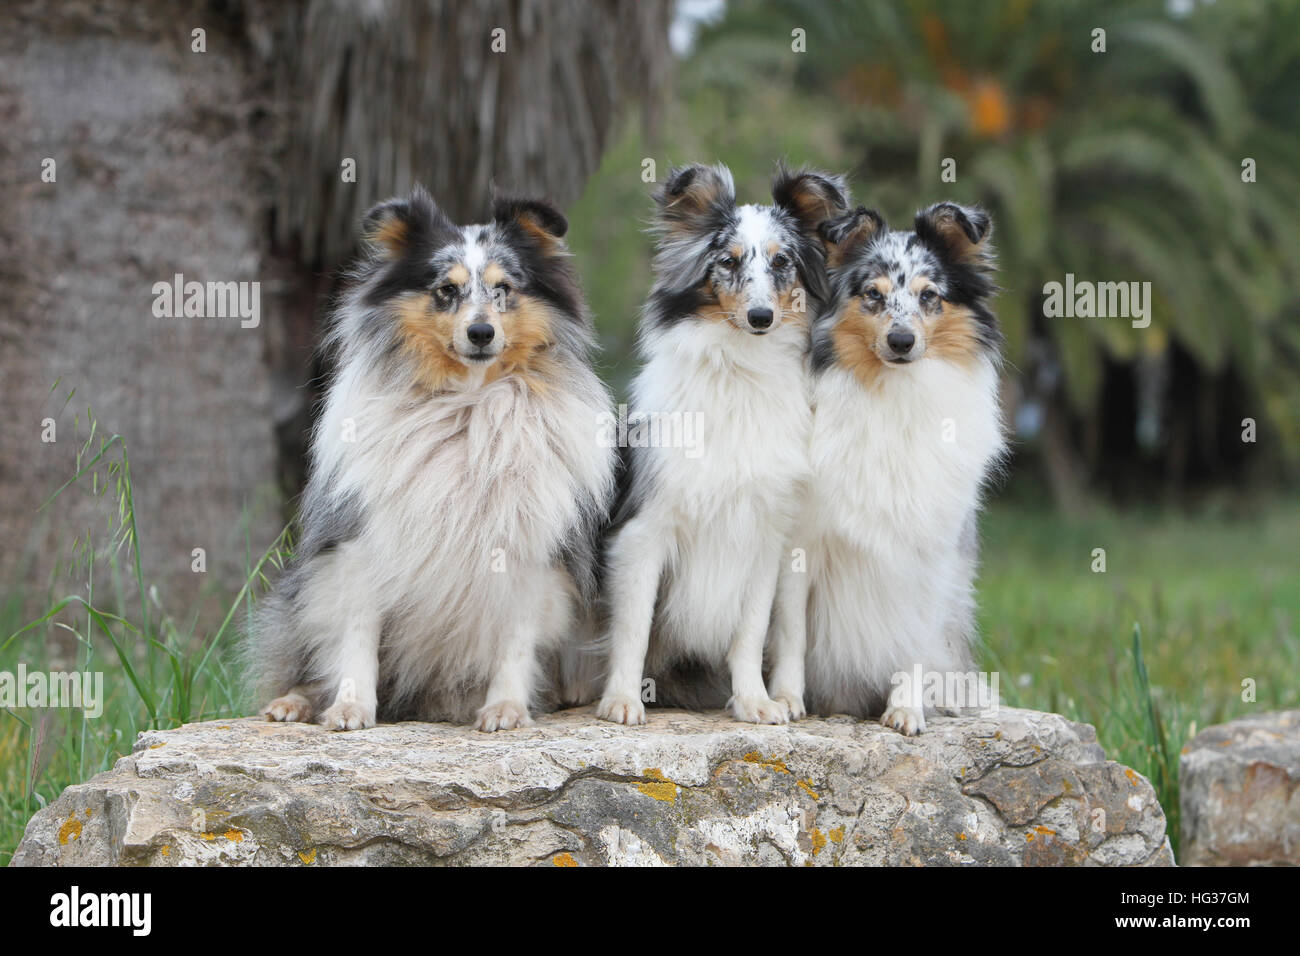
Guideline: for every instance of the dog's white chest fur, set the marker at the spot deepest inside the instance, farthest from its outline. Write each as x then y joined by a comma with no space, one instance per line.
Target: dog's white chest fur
467,499
898,471
729,506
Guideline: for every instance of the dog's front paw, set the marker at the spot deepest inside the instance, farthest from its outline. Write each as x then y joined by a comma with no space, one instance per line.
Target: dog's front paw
909,721
503,715
621,709
793,703
348,715
760,710
290,707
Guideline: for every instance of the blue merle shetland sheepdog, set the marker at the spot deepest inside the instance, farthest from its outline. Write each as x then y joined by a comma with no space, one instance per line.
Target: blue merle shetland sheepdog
451,519
907,429
697,542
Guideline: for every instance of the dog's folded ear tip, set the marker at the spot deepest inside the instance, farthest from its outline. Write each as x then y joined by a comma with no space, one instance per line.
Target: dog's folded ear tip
537,217
942,218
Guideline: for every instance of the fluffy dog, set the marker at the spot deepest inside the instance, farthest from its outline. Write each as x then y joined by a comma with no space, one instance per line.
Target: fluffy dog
907,429
452,515
693,559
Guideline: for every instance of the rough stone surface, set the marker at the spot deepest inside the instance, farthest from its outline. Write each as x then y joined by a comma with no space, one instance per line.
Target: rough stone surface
1241,793
1016,788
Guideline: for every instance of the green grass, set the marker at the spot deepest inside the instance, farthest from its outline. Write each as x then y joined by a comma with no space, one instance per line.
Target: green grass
1215,601
1153,648
157,673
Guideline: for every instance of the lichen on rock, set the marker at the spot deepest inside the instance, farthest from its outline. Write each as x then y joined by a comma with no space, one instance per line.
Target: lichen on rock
1013,788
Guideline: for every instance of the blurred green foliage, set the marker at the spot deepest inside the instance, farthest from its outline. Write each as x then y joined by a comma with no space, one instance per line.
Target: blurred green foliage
1122,165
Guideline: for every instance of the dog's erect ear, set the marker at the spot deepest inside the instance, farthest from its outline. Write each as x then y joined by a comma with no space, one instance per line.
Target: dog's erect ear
958,232
536,219
844,235
693,194
811,197
393,226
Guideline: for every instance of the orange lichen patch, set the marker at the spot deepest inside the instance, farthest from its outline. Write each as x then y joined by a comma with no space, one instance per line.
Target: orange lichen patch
234,836
166,851
818,841
837,835
71,830
223,727
1132,776
773,764
87,813
1046,831
1029,837
156,746
806,786
308,857
854,336
961,836
564,859
662,789
208,836
426,335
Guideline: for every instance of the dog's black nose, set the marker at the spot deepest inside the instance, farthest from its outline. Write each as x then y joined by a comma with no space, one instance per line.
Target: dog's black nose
480,333
759,318
901,342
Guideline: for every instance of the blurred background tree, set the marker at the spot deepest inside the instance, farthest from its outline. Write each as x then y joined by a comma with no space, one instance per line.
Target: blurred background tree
1116,163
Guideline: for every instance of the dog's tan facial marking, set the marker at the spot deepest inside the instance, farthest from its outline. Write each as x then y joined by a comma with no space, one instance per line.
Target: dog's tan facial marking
953,334
854,335
529,333
458,274
793,302
426,334
724,307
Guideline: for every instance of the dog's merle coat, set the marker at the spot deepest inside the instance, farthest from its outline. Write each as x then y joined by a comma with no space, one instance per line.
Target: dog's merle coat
452,513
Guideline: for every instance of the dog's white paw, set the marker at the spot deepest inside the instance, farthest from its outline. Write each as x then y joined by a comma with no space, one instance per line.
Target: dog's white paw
290,707
621,709
503,715
760,710
909,721
348,715
793,703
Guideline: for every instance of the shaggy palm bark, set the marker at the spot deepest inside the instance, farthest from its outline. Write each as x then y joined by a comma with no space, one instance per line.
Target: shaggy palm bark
226,166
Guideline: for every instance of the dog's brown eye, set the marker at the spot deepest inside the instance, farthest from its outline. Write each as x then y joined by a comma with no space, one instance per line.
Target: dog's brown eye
502,288
780,261
727,262
929,297
446,293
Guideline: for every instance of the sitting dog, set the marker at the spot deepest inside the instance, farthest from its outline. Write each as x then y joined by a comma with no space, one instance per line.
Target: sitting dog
452,516
693,558
907,429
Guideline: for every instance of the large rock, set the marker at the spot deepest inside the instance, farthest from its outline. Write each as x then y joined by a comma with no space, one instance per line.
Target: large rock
1020,787
1241,793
